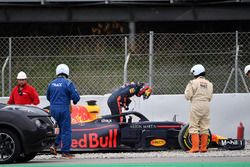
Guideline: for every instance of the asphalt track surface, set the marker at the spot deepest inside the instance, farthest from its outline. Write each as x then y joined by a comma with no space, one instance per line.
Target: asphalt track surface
209,161
238,162
174,158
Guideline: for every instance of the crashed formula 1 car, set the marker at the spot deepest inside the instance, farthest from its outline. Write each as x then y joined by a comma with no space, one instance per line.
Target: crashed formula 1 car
91,132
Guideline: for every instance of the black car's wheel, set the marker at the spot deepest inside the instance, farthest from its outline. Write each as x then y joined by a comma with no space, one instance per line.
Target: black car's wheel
9,146
184,138
26,157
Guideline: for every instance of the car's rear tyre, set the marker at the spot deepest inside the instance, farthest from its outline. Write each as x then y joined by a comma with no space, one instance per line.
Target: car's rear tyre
26,157
184,138
9,146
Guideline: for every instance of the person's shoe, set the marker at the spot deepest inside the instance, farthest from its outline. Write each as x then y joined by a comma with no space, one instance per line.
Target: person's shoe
52,150
204,138
67,155
195,143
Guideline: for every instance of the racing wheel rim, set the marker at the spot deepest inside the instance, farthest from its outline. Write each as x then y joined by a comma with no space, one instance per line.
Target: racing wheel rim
7,146
184,138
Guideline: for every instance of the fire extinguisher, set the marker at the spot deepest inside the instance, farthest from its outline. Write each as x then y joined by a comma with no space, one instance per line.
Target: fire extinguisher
240,131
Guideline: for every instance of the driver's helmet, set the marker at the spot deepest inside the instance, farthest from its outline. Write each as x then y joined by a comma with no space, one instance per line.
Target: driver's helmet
145,91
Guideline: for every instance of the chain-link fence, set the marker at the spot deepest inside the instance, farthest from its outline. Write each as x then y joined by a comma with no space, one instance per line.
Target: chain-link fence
97,62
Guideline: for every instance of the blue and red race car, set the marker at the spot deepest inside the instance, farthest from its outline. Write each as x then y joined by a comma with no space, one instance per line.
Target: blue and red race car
92,132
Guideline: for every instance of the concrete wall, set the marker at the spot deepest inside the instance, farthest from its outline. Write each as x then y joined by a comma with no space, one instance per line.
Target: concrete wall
227,110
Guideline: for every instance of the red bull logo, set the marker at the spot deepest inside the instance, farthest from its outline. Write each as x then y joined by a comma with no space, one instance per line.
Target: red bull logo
93,140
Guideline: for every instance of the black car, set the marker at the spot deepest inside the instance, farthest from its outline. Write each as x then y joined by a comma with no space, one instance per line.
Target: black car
24,131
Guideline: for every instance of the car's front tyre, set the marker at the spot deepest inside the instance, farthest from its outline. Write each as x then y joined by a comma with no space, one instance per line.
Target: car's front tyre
9,146
184,138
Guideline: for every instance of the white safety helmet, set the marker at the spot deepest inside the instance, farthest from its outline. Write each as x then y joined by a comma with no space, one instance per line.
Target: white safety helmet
62,69
21,75
247,69
197,69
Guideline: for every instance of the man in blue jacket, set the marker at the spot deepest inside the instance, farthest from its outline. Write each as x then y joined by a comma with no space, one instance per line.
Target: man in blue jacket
121,97
59,93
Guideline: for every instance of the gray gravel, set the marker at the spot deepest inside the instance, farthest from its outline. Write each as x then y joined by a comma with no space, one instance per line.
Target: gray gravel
213,152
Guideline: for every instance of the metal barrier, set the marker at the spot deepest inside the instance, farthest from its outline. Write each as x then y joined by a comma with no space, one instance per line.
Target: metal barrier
97,62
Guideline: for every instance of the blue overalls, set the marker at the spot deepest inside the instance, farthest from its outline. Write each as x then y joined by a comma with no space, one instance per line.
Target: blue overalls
60,91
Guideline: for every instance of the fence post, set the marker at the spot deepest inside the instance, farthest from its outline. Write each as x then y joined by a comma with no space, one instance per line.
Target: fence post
151,54
3,68
125,72
236,61
10,69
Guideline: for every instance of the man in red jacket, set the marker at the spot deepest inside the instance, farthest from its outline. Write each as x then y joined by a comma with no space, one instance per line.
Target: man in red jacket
23,93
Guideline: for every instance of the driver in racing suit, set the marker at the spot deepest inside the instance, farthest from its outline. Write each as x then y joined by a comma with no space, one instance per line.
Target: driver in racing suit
59,93
121,97
199,91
